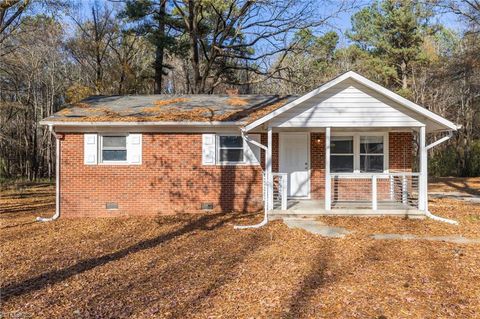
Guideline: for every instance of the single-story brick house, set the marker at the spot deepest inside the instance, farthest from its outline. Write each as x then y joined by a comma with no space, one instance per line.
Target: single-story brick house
344,148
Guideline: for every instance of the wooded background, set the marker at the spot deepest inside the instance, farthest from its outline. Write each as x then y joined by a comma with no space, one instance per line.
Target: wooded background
57,52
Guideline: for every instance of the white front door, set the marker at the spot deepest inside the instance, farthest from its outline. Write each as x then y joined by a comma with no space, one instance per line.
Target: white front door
294,160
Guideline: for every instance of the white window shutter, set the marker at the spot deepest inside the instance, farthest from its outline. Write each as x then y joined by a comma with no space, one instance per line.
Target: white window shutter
90,149
208,149
134,148
252,152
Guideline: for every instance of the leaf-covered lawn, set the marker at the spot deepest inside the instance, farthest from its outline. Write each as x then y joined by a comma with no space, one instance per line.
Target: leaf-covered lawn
199,266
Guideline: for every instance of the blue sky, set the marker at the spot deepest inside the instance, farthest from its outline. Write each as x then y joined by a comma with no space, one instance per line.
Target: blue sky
340,24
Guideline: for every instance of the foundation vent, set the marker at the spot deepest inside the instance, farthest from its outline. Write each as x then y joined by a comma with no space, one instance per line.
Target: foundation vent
207,206
111,206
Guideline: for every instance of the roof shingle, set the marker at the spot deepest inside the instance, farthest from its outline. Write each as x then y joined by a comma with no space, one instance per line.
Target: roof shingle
171,108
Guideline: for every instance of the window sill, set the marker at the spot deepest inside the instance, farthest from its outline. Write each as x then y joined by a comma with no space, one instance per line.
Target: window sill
359,173
118,164
237,164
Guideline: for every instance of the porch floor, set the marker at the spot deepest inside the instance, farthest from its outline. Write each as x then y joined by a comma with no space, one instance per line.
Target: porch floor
311,208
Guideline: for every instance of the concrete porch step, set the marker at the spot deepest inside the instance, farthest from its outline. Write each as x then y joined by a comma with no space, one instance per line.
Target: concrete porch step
283,214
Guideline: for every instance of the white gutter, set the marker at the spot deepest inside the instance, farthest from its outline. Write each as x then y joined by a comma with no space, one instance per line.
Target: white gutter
171,123
440,141
57,179
265,216
249,140
427,212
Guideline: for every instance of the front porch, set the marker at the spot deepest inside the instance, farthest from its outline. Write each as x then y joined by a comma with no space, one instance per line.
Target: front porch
347,147
307,187
394,194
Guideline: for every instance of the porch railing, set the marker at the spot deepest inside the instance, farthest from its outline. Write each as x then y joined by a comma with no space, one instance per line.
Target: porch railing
375,191
279,190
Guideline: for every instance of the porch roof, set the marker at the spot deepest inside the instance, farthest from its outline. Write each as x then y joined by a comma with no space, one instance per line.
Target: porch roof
346,112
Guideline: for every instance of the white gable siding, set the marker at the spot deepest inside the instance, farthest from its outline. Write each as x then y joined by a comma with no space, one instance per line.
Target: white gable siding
348,104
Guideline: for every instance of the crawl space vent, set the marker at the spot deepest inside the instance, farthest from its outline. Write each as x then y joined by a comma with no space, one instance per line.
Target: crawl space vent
207,206
111,205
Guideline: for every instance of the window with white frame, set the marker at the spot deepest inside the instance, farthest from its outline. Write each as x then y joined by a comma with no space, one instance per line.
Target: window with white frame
341,154
364,153
371,154
113,148
230,149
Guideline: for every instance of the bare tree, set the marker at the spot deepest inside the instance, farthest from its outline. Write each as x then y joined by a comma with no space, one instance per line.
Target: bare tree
32,87
468,10
90,47
223,33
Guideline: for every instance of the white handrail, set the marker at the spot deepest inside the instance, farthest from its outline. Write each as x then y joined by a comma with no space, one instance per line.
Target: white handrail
381,175
405,184
282,188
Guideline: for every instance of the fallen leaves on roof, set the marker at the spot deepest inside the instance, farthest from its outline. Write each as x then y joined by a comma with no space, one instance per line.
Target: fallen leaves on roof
170,101
254,113
82,105
237,101
168,110
65,111
266,110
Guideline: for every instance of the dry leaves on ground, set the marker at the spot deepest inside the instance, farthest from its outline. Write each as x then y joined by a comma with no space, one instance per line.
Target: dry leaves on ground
198,266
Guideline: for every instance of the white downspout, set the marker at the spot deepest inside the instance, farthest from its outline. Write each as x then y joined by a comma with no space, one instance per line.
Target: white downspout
427,212
265,216
57,179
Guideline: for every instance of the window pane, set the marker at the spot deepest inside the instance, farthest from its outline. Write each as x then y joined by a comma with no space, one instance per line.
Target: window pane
115,141
341,163
231,141
371,144
371,163
235,155
108,155
341,145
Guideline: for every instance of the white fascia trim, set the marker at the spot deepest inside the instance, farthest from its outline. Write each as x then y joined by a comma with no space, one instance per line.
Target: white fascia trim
170,124
294,103
362,80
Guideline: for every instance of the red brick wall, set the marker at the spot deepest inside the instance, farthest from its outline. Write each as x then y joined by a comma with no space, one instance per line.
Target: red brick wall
275,150
317,165
360,189
400,151
172,178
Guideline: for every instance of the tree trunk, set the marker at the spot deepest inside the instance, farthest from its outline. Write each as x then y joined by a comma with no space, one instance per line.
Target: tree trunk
160,48
194,54
403,69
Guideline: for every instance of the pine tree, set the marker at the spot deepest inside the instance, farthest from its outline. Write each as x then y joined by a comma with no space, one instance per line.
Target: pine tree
152,20
392,30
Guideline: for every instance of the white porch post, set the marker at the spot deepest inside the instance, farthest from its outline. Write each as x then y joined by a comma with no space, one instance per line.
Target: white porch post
328,180
268,171
423,179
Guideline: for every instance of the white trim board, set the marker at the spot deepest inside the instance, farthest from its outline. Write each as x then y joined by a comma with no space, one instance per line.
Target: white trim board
367,83
174,124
